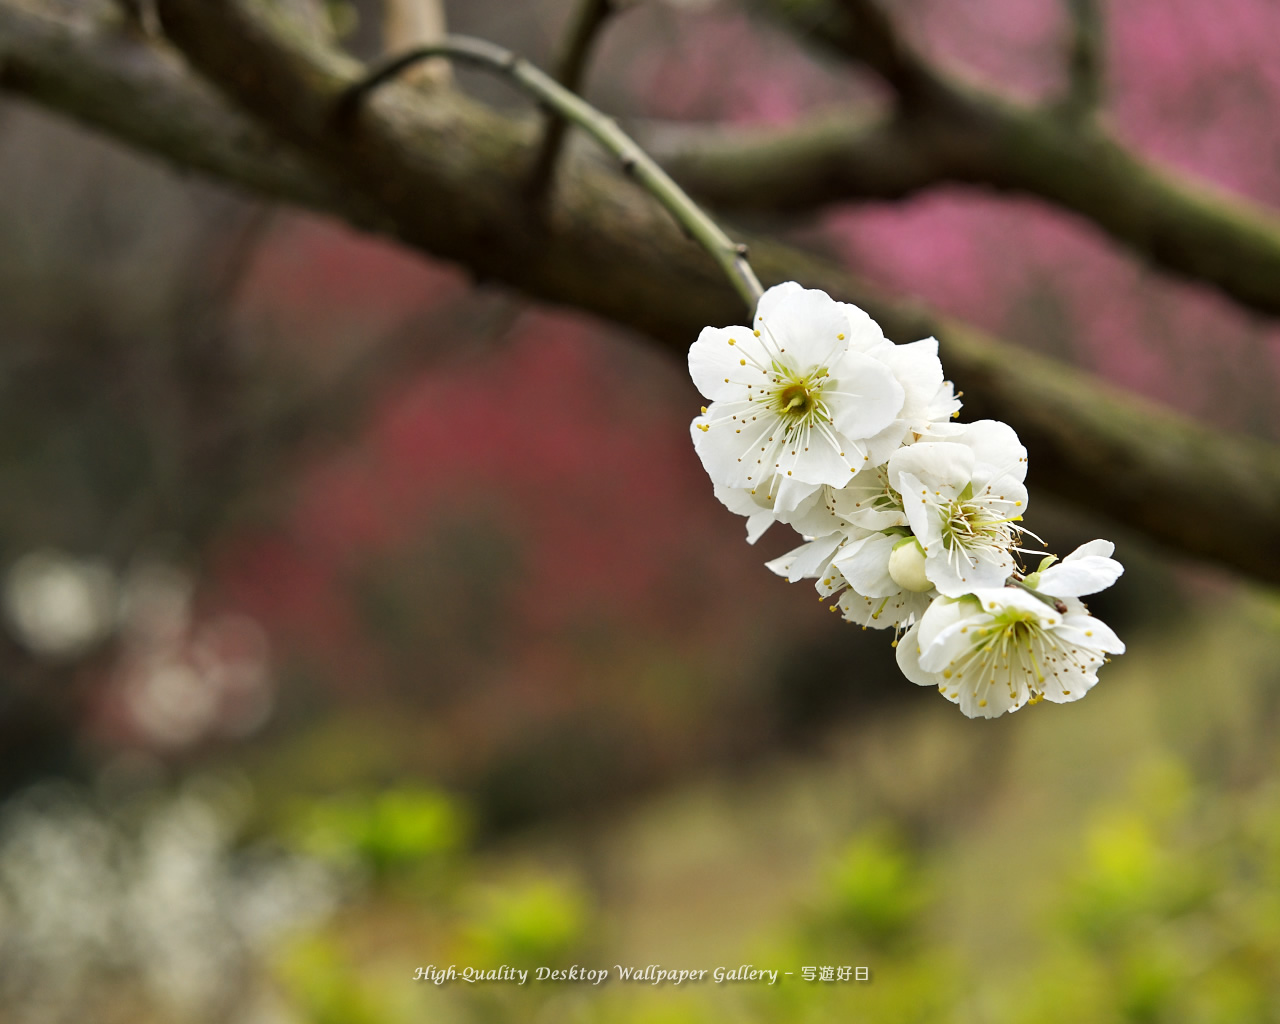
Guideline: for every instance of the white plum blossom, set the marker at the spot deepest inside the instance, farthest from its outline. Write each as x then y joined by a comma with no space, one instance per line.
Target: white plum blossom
897,611
875,585
930,403
1088,569
812,559
868,501
963,498
997,649
886,586
795,400
812,517
908,520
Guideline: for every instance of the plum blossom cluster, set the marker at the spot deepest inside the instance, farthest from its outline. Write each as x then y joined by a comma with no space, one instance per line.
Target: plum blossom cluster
911,520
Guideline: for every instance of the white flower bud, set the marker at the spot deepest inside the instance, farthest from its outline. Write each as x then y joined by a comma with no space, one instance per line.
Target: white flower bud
906,566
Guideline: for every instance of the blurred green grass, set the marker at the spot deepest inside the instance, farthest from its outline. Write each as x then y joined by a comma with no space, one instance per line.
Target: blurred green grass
1117,860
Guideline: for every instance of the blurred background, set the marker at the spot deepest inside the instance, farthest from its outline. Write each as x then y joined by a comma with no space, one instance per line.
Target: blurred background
334,645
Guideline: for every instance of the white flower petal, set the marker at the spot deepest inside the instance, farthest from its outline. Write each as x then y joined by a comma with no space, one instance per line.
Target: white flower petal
724,360
725,453
819,457
943,646
991,700
864,396
1088,569
773,297
757,524
958,572
739,500
1065,690
808,560
936,465
807,326
1090,631
865,564
813,517
896,611
1101,548
790,494
994,599
944,613
918,370
919,511
864,333
908,653
1083,576
998,454
942,409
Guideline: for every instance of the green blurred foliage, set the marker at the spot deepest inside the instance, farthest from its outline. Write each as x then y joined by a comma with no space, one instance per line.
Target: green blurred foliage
525,924
388,833
1171,915
325,988
875,890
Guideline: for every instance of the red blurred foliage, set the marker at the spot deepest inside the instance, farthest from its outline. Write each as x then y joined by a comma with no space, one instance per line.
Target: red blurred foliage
515,535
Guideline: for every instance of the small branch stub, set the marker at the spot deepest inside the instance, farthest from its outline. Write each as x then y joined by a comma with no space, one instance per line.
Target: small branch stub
1085,59
570,68
411,23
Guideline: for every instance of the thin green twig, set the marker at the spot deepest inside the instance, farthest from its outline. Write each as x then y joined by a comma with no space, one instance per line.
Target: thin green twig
731,258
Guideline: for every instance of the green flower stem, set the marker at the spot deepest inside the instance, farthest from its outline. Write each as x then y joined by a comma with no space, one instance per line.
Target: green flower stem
731,258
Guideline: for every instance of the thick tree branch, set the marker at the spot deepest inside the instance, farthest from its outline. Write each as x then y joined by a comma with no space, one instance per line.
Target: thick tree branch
947,130
445,175
826,159
141,92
